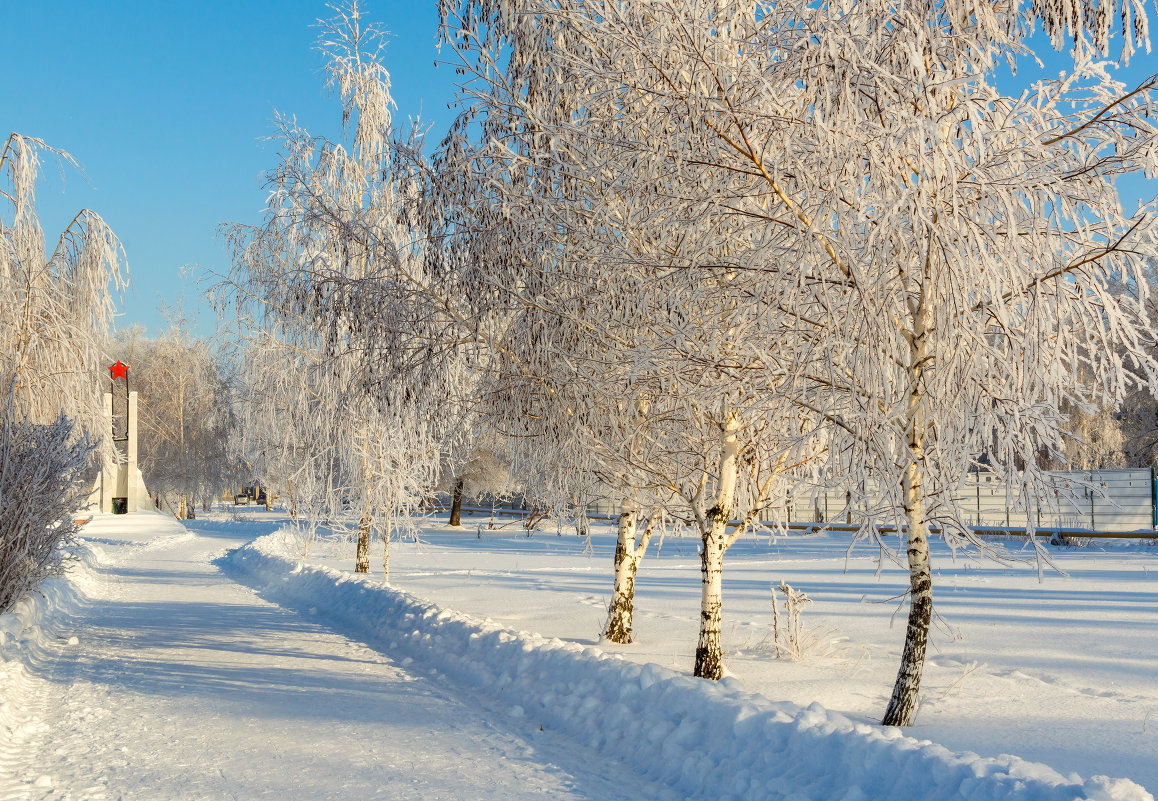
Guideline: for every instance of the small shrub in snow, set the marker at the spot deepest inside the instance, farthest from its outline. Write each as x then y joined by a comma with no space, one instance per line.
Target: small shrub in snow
787,638
790,638
41,482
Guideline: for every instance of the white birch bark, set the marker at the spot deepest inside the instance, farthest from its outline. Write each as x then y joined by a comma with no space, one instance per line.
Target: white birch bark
362,555
902,706
709,663
629,552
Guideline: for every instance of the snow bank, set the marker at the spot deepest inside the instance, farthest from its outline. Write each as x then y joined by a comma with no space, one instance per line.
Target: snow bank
27,631
34,629
30,617
703,739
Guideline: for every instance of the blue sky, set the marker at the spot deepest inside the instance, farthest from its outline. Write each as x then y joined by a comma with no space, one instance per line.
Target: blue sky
167,106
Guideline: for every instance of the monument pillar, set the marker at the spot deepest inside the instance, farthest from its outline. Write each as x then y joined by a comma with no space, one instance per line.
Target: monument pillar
110,475
120,488
131,480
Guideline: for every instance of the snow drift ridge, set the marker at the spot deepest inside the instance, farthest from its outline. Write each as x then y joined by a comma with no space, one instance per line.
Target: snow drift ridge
703,739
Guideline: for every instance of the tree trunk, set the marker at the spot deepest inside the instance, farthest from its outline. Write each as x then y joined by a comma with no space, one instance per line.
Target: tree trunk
902,707
709,650
362,561
618,628
386,554
628,555
456,503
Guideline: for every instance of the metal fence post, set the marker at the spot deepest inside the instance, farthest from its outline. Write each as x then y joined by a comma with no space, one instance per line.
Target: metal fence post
1153,502
977,486
1093,497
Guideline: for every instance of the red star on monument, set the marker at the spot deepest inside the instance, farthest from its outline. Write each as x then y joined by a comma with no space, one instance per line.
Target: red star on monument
119,370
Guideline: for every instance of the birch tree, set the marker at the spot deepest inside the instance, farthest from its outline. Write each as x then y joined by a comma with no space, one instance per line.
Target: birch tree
186,414
58,302
944,252
969,257
577,431
620,205
341,271
55,306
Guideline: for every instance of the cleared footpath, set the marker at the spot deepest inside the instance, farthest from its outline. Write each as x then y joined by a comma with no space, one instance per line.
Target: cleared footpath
170,681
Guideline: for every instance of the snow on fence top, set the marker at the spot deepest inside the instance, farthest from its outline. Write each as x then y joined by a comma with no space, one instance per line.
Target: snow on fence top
1091,500
1083,500
703,739
1112,502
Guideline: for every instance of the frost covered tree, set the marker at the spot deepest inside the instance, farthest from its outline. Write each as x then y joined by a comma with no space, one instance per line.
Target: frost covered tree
56,305
1094,439
340,275
43,467
310,432
936,259
1137,417
968,258
485,472
1138,421
186,413
57,296
576,434
713,458
636,263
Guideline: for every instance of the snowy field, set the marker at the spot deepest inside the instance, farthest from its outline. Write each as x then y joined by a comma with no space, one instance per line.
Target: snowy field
187,664
1061,670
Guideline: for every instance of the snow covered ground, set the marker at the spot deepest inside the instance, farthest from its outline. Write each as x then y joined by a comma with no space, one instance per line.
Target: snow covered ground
152,676
152,673
1062,671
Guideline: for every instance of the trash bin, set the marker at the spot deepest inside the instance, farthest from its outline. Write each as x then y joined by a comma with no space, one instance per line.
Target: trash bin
120,506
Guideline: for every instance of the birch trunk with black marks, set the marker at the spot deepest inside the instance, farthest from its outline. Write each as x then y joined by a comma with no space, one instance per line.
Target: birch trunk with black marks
628,554
902,707
386,550
714,541
362,560
456,503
